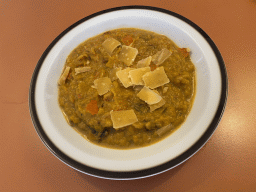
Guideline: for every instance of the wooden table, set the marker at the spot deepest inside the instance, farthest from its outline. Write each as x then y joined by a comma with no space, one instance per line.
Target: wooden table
226,163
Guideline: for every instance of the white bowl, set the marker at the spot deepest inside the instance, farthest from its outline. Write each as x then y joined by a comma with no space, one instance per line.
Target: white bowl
67,145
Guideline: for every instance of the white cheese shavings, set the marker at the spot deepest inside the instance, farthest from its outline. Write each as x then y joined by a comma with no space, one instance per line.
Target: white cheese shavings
102,85
123,76
144,62
127,55
123,118
157,105
136,75
156,78
64,76
149,96
82,69
161,56
110,44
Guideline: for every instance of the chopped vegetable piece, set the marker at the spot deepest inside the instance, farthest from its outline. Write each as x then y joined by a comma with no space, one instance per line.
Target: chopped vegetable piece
123,118
127,40
111,62
82,69
161,56
105,115
123,76
149,96
165,89
137,88
136,75
64,76
110,44
108,96
112,73
184,51
164,130
157,105
144,62
92,107
84,55
103,85
155,78
138,125
127,55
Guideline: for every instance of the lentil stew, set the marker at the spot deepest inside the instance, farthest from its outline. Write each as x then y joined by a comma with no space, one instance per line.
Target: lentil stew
127,88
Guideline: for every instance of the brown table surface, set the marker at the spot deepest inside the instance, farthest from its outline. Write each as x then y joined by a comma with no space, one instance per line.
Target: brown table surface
226,163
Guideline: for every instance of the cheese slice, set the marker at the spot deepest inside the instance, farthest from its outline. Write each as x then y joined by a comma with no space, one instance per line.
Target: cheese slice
64,76
156,78
136,75
110,44
157,105
123,118
127,55
123,76
144,62
102,85
161,56
149,96
82,69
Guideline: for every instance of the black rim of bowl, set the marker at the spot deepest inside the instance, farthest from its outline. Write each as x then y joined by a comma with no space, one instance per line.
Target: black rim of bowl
141,173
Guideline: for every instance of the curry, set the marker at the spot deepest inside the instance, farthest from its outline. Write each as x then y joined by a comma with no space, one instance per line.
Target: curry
127,88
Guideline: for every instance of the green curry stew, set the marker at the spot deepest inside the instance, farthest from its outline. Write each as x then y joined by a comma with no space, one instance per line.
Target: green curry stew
107,101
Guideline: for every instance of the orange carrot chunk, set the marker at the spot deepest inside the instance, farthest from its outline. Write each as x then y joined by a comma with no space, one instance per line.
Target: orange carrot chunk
92,107
127,40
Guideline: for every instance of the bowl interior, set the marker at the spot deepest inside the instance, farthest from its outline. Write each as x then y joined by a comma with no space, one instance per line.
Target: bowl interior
208,91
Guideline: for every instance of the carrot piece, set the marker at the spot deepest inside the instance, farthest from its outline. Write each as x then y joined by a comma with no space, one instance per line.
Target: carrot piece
184,52
92,107
127,40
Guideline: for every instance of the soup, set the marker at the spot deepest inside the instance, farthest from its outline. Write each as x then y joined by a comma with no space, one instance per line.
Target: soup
127,88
